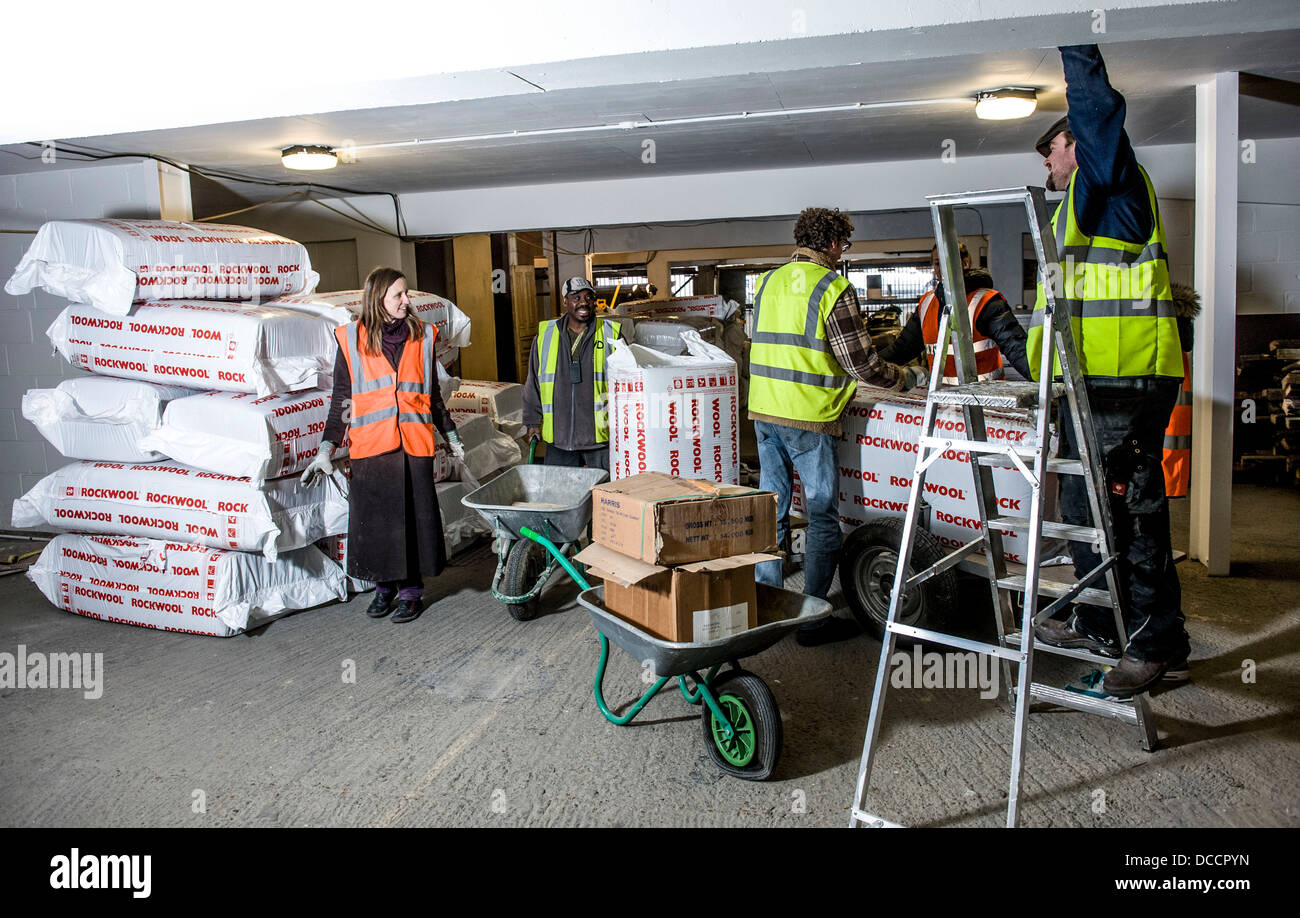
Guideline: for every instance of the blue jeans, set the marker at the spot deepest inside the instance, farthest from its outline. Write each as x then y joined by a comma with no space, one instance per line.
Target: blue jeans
782,451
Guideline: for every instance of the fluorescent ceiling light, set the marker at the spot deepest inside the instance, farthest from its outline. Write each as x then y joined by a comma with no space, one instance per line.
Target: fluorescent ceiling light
309,157
1005,104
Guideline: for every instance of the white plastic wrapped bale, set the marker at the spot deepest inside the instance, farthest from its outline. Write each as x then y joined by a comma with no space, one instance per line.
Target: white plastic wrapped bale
244,435
665,335
233,348
171,501
487,449
503,402
676,415
460,525
111,264
711,305
181,587
98,417
344,306
336,549
877,455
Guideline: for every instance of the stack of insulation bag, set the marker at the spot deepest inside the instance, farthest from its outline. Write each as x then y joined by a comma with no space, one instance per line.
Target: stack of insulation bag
208,395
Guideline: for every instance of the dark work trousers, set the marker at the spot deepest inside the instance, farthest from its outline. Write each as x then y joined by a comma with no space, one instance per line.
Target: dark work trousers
1129,417
595,458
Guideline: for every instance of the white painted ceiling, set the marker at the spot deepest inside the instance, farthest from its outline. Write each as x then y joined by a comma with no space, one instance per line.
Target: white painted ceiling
1155,56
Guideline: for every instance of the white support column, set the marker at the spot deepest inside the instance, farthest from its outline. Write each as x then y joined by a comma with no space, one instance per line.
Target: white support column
174,194
1214,355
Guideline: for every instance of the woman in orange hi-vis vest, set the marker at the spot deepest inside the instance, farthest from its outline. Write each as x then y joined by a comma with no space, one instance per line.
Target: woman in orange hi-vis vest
385,372
1177,457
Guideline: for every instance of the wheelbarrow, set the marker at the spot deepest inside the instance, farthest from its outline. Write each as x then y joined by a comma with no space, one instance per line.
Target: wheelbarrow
551,501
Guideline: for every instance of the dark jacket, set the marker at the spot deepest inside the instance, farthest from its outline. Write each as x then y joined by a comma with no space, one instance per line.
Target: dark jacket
996,321
573,412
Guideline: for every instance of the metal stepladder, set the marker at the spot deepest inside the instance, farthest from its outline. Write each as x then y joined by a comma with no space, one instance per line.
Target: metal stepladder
972,397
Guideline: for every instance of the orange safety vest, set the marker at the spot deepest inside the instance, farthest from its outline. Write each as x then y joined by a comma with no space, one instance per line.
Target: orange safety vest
988,360
1177,458
390,410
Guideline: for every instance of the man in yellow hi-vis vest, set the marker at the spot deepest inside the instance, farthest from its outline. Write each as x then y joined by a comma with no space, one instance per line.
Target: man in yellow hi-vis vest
808,350
1114,280
566,396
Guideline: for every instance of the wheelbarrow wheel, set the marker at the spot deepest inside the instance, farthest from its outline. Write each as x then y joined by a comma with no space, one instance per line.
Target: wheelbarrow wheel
867,566
752,752
524,565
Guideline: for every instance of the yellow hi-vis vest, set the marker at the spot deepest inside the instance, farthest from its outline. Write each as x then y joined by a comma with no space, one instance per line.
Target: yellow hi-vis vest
548,359
1121,308
792,372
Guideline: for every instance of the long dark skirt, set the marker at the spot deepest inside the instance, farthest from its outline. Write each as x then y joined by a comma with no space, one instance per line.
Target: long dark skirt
394,524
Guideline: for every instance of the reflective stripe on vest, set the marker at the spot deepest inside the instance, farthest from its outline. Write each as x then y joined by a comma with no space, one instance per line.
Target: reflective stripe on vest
390,410
988,359
793,373
1177,457
1118,297
548,360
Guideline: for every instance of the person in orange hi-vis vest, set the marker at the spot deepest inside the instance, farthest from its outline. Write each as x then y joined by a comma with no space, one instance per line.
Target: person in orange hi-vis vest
995,332
1177,456
386,373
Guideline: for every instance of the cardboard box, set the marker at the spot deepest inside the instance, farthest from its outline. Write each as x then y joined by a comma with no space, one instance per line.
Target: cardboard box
659,519
690,603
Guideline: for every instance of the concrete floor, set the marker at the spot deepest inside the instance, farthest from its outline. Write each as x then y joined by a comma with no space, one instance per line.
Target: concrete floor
466,717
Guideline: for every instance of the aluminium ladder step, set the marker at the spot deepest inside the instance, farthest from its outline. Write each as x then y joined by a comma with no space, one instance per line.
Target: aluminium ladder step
994,393
1051,528
1012,639
1088,595
1054,466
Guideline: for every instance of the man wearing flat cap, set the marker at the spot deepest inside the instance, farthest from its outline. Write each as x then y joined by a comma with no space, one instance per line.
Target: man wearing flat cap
566,398
1114,280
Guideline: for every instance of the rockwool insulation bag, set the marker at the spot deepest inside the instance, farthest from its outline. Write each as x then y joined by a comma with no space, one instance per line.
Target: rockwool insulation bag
179,586
98,417
711,305
168,500
676,415
343,307
503,402
234,348
487,449
336,549
111,264
460,525
242,434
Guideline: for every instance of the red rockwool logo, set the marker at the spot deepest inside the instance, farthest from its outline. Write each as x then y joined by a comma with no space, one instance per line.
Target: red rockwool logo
92,322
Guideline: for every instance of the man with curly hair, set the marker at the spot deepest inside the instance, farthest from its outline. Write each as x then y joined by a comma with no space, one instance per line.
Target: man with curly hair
810,349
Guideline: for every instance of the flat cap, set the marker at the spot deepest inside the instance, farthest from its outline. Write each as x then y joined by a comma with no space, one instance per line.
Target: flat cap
1044,144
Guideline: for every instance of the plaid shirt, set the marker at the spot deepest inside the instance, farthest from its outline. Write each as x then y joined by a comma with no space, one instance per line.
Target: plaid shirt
851,346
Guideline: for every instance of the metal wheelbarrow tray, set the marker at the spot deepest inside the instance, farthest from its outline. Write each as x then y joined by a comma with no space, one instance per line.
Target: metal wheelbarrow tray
564,492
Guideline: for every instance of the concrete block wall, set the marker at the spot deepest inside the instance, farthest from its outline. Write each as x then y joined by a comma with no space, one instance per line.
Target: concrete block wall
1268,259
27,360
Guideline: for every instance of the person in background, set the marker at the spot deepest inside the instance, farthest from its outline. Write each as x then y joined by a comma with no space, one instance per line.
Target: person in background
809,348
385,374
995,333
1115,282
566,401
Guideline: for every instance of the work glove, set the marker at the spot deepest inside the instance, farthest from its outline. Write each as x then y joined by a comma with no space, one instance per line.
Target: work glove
320,467
457,448
914,376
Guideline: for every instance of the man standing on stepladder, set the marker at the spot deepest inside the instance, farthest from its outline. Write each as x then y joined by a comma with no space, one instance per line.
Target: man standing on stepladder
809,346
1115,282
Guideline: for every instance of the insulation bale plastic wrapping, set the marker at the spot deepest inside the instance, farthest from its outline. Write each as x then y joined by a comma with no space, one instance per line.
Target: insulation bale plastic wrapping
460,525
336,549
345,306
877,455
676,415
98,417
710,305
503,402
243,435
168,500
233,348
181,587
487,449
112,264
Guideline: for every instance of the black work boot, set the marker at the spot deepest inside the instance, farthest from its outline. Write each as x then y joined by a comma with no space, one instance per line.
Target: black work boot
1131,676
408,610
381,605
1066,634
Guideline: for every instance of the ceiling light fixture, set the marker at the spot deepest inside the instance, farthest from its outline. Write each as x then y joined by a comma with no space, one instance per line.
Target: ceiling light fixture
1006,103
309,157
